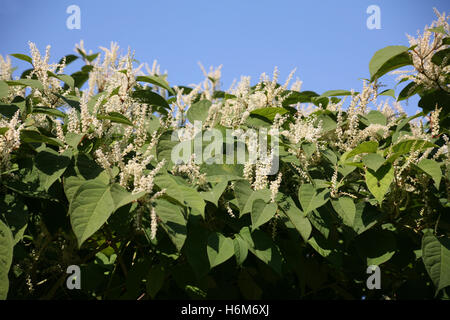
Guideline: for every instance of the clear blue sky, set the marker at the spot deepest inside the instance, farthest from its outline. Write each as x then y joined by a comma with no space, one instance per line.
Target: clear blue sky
326,40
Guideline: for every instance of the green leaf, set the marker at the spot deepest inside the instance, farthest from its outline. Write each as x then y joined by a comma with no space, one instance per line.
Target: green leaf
295,215
182,193
263,194
6,255
215,193
23,57
122,197
157,81
436,258
334,93
440,57
245,195
152,98
366,217
67,80
310,199
90,209
72,101
408,146
73,139
388,59
265,249
198,111
262,212
242,191
33,83
374,117
388,92
269,112
240,250
409,90
296,97
155,280
364,147
4,89
50,165
379,181
32,136
115,117
429,100
219,249
173,221
373,161
439,29
8,110
345,207
433,169
68,60
49,111
92,204
15,214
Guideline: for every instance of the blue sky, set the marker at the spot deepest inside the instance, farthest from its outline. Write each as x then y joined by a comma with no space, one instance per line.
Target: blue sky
327,41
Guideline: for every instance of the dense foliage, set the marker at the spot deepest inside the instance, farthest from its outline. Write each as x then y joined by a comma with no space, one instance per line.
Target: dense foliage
87,178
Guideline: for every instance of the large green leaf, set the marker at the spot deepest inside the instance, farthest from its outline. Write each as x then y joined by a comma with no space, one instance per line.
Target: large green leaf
93,203
50,111
240,249
115,117
32,83
269,112
34,136
295,215
6,255
242,191
345,207
215,193
373,161
364,147
433,169
262,246
245,195
155,280
90,209
152,98
4,89
219,249
408,146
157,81
436,258
374,117
173,221
262,194
50,165
23,57
186,195
388,59
15,213
262,212
198,111
310,199
379,181
334,93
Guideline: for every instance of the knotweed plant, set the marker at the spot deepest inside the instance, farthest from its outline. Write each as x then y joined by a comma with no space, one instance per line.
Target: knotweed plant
343,180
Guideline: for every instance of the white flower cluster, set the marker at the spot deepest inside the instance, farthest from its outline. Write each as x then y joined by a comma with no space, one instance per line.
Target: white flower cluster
426,72
9,140
267,93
